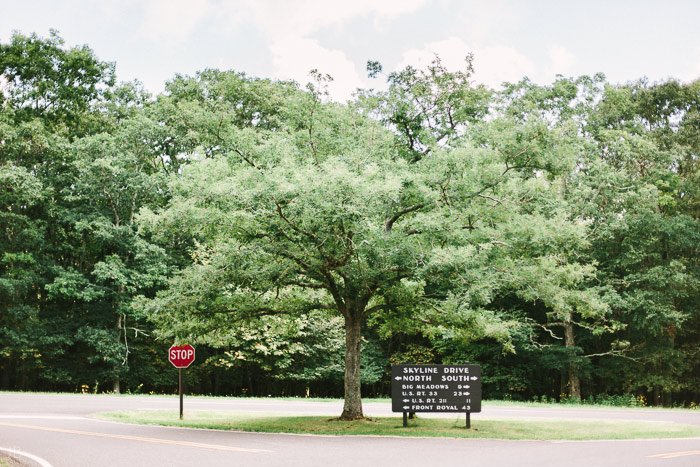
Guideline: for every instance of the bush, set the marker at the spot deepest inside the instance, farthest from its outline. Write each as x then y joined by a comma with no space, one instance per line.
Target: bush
615,400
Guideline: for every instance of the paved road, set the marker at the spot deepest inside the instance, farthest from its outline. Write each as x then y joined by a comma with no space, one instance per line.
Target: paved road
55,428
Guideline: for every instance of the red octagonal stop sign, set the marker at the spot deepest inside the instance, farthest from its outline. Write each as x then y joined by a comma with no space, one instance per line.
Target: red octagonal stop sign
181,356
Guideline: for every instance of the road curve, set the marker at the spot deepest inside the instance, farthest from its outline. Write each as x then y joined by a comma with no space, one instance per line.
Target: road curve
56,428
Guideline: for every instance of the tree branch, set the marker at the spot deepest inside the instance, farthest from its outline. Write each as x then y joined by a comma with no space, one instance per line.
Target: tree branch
612,353
551,333
289,223
497,201
266,311
246,159
390,220
335,293
307,285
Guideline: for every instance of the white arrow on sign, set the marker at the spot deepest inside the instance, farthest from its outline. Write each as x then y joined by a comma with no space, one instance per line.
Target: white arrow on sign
406,407
407,400
398,378
474,378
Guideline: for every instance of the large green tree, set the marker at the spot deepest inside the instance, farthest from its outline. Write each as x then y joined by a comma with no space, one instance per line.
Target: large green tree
325,214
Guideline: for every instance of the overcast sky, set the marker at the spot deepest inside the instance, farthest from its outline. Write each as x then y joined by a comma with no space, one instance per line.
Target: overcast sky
151,40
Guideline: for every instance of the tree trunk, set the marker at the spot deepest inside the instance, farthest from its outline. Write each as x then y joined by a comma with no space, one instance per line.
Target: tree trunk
7,369
574,383
115,385
352,410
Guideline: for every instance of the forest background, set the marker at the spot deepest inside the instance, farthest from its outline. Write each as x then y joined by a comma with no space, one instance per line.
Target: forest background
549,233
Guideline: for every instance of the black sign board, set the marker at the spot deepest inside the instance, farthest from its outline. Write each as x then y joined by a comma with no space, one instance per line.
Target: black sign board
436,388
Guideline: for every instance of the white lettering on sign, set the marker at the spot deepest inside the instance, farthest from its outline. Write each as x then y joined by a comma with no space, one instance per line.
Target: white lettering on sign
417,378
455,378
432,386
181,354
456,370
419,370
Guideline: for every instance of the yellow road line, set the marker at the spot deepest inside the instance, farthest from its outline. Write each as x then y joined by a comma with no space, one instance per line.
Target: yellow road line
671,455
217,447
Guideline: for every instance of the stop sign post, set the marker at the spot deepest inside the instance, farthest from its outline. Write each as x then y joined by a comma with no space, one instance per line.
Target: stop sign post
181,356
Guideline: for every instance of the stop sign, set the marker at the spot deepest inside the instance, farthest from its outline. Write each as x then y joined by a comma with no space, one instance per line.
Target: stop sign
181,356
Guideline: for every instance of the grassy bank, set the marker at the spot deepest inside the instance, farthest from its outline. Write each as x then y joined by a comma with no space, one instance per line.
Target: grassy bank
427,427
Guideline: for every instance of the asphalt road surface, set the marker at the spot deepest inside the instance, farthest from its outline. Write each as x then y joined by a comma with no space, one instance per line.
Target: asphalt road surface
56,430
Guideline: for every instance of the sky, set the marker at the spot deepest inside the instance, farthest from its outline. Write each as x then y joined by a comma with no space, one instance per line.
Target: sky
152,40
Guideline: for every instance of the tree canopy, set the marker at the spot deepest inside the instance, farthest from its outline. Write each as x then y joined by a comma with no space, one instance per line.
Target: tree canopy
548,232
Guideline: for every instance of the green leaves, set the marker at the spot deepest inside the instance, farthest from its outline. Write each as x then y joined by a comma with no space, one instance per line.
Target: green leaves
49,82
554,224
427,108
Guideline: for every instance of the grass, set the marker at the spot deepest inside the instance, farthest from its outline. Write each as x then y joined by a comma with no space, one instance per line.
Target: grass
572,405
6,461
425,427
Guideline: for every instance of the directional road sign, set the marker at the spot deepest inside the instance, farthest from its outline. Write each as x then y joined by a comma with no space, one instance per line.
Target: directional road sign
436,388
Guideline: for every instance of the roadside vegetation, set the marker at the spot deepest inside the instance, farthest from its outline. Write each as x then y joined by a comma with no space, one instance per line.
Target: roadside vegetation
420,426
7,461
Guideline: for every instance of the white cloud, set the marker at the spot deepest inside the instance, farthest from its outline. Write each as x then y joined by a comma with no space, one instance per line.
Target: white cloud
484,20
562,61
497,64
294,57
452,52
493,64
692,75
172,19
692,72
288,26
279,19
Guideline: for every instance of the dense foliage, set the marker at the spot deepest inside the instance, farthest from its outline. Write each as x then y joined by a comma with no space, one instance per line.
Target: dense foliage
549,233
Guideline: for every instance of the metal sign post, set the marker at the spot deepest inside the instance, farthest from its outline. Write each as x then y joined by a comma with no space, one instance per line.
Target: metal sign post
181,394
181,356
